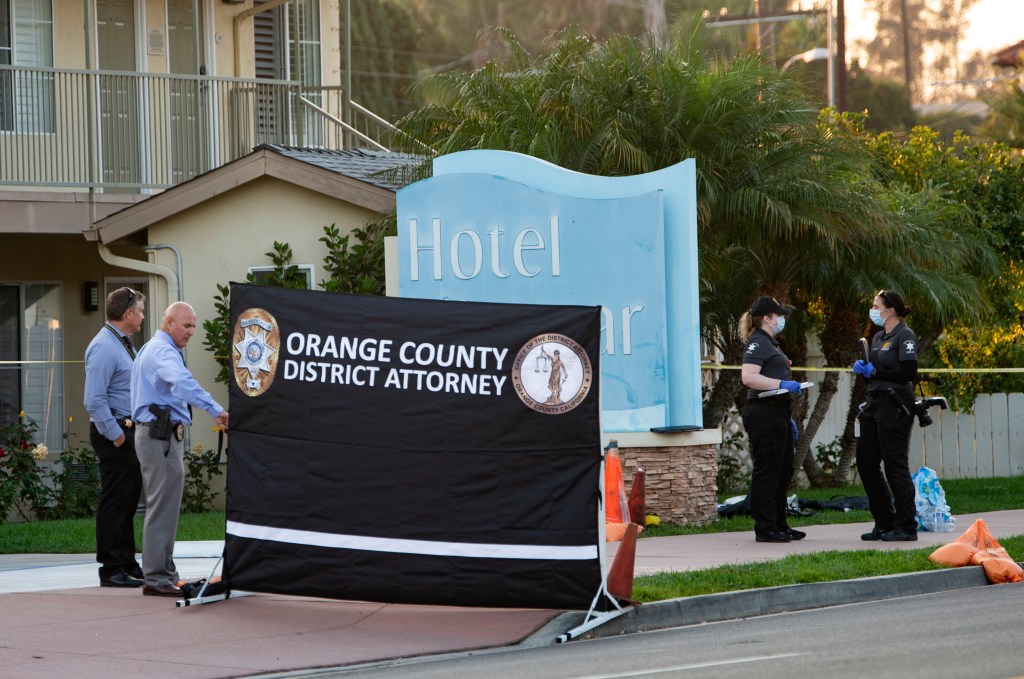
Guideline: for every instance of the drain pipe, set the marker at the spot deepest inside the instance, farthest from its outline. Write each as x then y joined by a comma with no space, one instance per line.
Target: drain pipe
177,254
180,286
173,291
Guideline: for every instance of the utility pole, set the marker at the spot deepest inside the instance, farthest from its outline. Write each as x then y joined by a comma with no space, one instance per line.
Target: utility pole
840,74
908,72
765,31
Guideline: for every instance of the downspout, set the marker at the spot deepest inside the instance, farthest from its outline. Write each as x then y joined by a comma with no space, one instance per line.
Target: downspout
179,287
180,290
177,254
87,6
173,291
236,26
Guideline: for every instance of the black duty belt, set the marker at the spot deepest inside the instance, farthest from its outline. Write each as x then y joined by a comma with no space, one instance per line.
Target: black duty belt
177,429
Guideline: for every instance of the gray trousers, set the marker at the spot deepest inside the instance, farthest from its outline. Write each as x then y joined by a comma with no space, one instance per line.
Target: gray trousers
163,478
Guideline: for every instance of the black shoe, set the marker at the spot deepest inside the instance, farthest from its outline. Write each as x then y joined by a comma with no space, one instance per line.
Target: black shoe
899,535
875,534
162,590
795,534
135,572
121,579
774,536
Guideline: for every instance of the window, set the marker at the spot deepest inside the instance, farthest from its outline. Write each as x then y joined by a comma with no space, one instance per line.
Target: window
287,43
26,40
32,355
260,274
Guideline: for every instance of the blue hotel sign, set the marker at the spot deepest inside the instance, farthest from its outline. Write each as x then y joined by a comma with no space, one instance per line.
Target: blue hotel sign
494,226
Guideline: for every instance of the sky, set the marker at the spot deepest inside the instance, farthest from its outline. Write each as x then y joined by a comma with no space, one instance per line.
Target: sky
992,24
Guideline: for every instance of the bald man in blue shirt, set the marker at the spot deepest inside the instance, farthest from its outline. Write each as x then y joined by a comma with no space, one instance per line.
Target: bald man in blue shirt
161,382
108,368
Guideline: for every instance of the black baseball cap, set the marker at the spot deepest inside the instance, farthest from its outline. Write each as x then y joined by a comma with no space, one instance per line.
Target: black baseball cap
767,304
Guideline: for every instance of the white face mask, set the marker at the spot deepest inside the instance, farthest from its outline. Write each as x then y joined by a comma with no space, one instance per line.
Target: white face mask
780,323
876,316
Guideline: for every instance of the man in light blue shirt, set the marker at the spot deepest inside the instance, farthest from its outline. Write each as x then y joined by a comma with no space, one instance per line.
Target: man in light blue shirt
108,369
162,387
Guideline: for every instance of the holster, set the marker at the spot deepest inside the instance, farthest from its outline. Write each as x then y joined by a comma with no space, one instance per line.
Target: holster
161,427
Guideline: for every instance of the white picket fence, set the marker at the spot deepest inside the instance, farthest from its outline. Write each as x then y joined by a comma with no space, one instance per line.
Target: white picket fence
984,443
987,442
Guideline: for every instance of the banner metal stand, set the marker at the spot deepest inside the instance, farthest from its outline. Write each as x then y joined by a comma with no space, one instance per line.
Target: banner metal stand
199,599
592,619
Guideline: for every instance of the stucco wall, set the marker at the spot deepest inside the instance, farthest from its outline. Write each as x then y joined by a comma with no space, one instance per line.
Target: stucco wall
70,261
220,239
70,46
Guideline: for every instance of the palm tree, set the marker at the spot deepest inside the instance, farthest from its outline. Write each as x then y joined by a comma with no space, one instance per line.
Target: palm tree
774,189
935,256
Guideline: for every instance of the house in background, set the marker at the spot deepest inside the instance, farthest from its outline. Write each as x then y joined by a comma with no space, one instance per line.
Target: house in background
217,228
134,114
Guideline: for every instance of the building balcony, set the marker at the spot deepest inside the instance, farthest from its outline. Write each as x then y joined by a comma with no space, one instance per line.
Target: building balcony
121,132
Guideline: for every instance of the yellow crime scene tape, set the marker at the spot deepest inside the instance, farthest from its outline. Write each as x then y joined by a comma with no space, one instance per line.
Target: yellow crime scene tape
715,366
704,366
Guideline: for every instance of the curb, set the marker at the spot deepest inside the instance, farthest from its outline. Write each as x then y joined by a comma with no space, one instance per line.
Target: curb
708,608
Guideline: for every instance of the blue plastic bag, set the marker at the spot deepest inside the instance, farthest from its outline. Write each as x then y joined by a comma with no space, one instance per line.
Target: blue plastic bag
933,513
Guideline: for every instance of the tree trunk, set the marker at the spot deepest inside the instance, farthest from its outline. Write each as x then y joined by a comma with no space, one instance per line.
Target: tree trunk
656,22
849,455
726,389
828,387
843,326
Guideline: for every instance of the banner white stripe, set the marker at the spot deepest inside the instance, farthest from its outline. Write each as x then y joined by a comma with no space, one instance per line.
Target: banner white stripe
400,546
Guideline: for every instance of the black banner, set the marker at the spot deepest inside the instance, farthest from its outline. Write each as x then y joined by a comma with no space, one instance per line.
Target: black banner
413,451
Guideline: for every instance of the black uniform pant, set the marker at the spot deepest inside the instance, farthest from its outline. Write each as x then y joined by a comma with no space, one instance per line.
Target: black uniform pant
883,444
768,427
120,486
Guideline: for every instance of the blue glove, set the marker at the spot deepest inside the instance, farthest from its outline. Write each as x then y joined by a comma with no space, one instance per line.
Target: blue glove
865,369
796,434
790,386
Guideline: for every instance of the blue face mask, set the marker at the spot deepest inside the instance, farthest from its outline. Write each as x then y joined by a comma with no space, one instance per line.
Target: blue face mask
876,316
780,323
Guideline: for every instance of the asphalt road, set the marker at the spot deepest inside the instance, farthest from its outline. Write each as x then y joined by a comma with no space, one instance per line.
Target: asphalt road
971,633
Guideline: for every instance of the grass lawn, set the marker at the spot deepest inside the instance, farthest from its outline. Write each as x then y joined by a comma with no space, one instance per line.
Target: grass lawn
964,496
794,570
78,536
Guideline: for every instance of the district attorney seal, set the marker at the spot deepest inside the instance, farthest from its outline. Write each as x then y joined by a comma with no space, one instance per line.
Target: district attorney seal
552,374
255,341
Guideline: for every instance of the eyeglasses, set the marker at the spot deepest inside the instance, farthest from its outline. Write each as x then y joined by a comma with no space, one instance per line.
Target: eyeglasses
128,302
884,294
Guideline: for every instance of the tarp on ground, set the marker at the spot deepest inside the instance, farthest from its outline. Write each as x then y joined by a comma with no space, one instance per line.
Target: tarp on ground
413,451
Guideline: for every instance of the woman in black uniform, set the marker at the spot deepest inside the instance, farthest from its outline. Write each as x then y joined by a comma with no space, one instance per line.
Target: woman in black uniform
768,422
886,420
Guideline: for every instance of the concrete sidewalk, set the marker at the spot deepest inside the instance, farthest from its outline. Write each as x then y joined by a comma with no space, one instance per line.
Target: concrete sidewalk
55,621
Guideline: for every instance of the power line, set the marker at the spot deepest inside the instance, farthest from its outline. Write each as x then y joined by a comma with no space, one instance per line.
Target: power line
405,52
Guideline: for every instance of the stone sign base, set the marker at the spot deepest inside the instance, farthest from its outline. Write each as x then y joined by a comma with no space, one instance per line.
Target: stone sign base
681,472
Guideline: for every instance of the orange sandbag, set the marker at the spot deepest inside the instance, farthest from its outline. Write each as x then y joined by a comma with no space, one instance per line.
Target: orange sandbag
953,554
983,555
978,546
979,536
613,532
998,565
999,570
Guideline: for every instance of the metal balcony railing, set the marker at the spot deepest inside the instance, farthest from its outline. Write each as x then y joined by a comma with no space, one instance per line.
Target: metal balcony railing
128,132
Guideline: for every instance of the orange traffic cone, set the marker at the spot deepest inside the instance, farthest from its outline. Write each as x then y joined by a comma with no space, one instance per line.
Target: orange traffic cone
638,498
620,577
616,505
